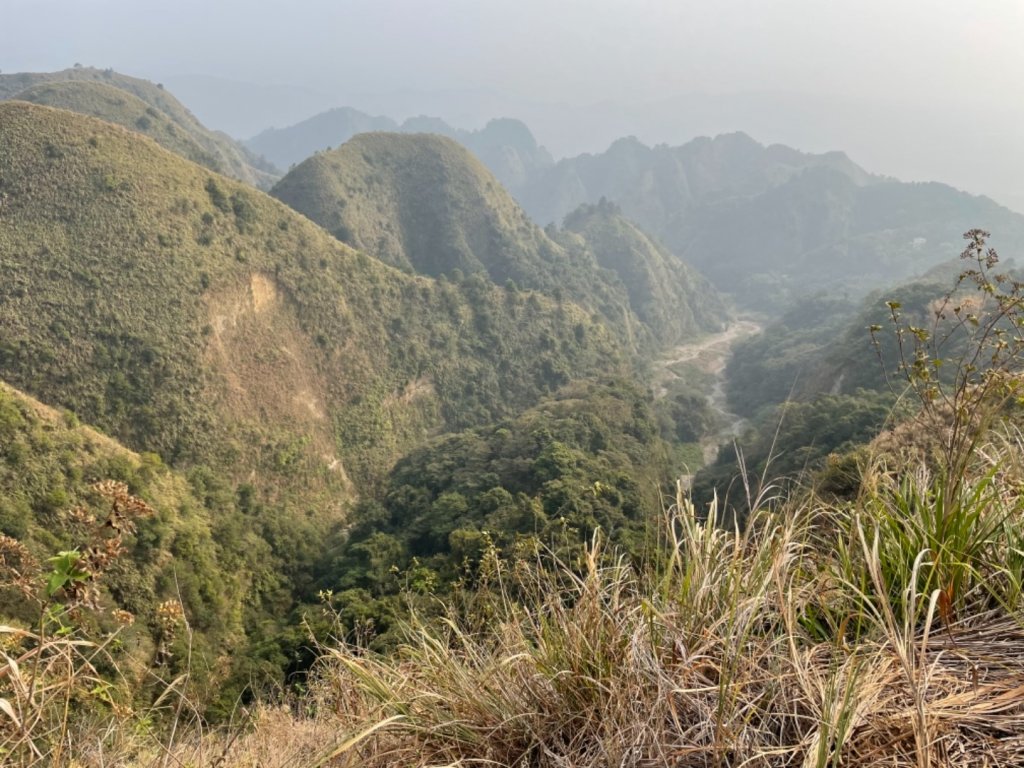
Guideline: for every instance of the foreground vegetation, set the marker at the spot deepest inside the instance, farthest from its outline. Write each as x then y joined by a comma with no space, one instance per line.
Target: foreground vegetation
880,631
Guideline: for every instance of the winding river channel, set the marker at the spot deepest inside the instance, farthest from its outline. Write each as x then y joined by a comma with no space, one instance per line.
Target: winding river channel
710,355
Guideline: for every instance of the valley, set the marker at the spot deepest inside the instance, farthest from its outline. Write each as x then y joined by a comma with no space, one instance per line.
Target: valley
376,440
709,357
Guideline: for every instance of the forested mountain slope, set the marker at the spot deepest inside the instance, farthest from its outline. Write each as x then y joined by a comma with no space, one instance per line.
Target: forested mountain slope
64,487
193,316
586,458
821,231
425,205
826,345
668,295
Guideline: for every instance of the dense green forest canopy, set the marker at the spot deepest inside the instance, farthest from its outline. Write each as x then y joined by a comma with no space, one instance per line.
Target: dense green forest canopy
588,458
827,345
197,547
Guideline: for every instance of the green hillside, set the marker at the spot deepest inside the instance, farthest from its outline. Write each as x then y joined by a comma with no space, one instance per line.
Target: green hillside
424,204
854,361
189,547
119,106
70,89
190,315
670,297
829,373
785,360
824,345
284,374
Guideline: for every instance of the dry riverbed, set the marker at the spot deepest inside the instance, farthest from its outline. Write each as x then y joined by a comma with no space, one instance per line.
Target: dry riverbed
709,356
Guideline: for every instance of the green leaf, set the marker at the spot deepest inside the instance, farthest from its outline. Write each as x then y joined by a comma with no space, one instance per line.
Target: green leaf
65,569
56,581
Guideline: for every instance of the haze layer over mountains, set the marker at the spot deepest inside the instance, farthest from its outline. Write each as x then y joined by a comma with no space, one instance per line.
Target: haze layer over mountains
919,90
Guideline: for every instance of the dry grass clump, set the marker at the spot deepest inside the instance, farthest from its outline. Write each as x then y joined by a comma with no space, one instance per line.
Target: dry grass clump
816,637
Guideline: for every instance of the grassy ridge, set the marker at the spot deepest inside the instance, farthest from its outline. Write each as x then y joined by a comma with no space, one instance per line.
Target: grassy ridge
118,106
424,204
221,152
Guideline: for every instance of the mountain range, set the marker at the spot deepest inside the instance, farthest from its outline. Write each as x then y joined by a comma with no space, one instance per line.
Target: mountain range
751,217
283,373
424,204
505,146
771,224
162,277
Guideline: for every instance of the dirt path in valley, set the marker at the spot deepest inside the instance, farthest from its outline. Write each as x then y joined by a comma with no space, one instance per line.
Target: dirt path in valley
710,356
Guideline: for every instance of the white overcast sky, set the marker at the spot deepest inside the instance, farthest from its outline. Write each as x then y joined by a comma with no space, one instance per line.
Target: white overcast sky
947,56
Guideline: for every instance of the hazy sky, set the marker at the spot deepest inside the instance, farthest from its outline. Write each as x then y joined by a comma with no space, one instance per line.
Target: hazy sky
944,56
576,50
